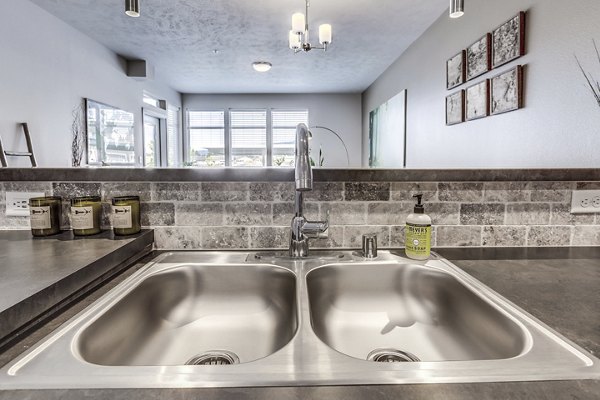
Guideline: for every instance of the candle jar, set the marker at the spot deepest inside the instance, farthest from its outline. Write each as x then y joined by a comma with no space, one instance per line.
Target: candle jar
86,215
126,215
45,215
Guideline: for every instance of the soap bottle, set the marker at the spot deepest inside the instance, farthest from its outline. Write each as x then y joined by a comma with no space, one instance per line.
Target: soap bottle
418,232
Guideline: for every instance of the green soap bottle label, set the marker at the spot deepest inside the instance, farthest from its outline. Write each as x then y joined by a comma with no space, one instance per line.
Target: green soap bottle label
418,240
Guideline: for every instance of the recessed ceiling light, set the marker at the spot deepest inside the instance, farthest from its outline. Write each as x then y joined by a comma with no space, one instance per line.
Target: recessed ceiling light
261,66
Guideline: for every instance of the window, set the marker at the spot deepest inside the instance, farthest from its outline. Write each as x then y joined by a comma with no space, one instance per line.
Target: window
173,143
206,138
248,138
243,138
110,135
284,135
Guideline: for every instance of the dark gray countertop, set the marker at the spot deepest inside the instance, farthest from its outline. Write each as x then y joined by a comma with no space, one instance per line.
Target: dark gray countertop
273,174
37,274
559,286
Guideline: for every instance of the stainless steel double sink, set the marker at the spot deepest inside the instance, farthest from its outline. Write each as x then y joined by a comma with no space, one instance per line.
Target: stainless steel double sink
224,319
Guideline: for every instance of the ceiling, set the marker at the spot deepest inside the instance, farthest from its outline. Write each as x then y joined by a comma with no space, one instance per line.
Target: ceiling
178,37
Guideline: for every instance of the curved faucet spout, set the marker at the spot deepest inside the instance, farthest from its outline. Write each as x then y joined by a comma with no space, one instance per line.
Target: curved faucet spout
303,175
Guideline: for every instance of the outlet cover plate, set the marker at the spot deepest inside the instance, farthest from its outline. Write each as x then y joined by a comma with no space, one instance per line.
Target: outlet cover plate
17,203
585,202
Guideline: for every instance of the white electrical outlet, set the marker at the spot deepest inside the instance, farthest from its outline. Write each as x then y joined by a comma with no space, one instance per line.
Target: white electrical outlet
17,203
585,202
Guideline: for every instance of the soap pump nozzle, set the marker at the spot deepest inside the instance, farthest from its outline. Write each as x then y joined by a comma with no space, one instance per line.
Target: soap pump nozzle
419,208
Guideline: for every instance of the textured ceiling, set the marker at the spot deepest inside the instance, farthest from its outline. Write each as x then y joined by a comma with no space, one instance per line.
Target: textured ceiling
178,37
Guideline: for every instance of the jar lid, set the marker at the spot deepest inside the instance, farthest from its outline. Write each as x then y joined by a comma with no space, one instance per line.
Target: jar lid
95,199
126,198
46,198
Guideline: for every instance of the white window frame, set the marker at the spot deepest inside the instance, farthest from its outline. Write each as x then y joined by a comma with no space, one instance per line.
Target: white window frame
227,130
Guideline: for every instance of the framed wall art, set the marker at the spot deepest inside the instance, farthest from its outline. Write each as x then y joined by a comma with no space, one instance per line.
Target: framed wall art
477,100
455,108
479,57
506,91
508,41
455,70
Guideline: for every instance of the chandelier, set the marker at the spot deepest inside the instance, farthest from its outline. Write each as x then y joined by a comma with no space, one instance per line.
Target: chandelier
299,35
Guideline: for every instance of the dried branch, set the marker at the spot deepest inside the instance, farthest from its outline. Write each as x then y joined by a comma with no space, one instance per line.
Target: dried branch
592,83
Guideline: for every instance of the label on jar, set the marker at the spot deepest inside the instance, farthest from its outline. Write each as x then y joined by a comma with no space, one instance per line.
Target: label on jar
40,217
82,218
122,217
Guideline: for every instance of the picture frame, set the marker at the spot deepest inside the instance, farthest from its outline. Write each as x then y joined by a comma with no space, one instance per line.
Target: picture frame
477,101
478,60
506,91
508,40
455,108
455,70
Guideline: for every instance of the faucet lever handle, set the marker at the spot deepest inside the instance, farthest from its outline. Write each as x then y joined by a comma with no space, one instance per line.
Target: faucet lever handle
369,246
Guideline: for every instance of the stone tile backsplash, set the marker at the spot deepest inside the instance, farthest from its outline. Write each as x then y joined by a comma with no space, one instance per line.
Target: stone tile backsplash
241,215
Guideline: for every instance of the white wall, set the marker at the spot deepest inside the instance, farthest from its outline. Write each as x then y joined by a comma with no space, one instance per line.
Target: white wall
340,112
46,68
560,124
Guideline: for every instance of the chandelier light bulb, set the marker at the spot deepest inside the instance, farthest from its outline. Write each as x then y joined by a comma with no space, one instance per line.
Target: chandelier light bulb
294,40
457,8
325,34
298,23
132,8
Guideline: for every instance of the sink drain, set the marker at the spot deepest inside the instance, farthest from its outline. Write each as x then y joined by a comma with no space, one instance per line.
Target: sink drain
214,357
391,356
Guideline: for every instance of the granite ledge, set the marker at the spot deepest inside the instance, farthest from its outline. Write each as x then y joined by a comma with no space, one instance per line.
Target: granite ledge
287,175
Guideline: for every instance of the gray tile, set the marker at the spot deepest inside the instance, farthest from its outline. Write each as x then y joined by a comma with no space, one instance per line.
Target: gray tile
334,240
326,191
443,213
505,192
173,191
284,212
527,214
12,222
224,191
551,191
398,238
561,215
344,213
272,191
482,214
588,186
2,193
225,237
404,191
117,189
460,191
179,238
106,216
199,214
269,237
389,213
70,190
586,236
504,236
45,187
353,235
549,236
248,214
367,191
157,214
454,236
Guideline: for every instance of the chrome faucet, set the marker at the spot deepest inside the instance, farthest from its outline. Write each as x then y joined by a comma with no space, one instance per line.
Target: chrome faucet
302,229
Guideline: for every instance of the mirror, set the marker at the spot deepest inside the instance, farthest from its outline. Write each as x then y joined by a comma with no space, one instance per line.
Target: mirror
398,48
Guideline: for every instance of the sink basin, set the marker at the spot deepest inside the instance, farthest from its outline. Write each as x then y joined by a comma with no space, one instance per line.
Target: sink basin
358,309
177,315
241,319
